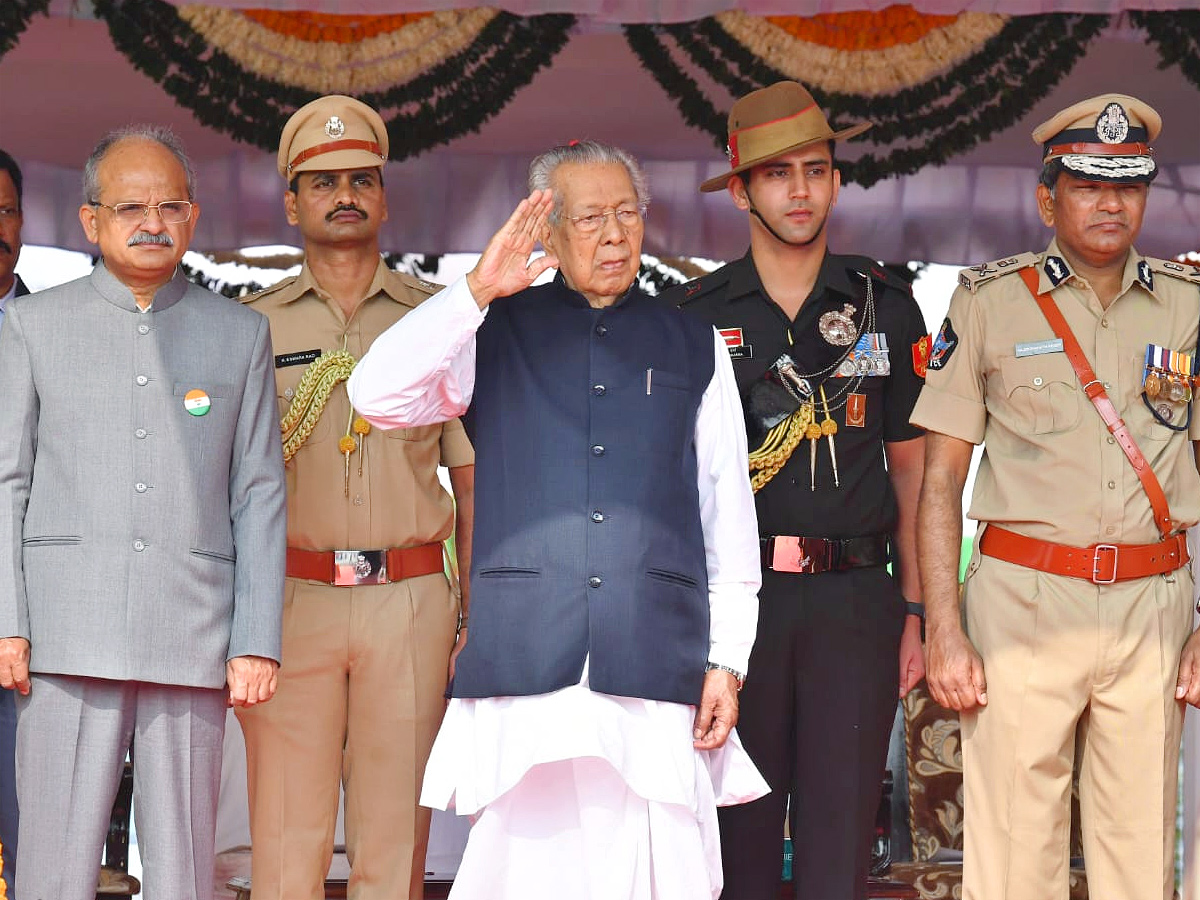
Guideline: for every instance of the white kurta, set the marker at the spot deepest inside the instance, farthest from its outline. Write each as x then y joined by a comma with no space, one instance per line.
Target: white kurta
566,766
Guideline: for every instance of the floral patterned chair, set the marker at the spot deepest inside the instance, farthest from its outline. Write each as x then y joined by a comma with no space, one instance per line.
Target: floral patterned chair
935,804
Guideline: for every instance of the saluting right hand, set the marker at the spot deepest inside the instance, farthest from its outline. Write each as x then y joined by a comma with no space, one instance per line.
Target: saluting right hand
954,670
504,268
14,664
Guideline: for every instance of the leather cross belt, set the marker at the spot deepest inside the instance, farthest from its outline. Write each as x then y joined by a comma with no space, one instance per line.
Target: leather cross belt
811,556
1099,563
346,568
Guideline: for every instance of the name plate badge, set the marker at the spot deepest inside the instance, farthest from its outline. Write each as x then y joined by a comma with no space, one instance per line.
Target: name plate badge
1038,348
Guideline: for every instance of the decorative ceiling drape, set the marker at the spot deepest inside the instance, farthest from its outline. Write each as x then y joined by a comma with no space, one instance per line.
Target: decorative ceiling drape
432,76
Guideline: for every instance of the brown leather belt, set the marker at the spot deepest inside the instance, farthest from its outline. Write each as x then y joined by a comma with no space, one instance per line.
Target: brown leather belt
347,568
811,556
1099,563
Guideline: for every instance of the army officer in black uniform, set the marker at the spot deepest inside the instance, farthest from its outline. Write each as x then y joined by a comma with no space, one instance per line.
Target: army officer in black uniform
829,353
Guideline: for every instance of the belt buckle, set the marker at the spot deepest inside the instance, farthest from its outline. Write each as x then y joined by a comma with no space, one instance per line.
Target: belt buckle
1116,552
353,567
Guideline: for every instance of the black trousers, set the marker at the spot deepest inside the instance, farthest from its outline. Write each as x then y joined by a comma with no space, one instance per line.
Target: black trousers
816,715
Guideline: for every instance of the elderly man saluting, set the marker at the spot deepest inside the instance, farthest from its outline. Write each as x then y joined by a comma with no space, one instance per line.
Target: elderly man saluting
142,513
615,569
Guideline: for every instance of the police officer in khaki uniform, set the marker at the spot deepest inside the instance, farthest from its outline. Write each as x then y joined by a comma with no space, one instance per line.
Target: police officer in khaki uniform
1078,601
370,620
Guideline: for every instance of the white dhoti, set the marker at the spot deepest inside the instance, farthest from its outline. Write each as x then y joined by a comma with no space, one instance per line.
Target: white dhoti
585,795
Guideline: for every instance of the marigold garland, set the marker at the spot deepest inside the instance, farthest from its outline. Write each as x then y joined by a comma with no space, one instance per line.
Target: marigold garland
15,16
445,101
327,67
864,29
923,124
336,27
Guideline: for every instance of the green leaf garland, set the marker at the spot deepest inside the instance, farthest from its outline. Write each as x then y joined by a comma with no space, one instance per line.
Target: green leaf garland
15,16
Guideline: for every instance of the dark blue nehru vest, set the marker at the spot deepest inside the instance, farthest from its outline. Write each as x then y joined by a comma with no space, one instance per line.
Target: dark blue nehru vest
587,532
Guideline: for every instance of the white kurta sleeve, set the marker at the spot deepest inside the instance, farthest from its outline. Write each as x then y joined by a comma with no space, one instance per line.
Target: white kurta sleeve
728,517
422,369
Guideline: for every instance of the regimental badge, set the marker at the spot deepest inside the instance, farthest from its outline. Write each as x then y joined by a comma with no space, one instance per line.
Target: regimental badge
1145,274
1113,125
837,327
856,410
1056,270
920,355
335,127
692,289
735,342
943,346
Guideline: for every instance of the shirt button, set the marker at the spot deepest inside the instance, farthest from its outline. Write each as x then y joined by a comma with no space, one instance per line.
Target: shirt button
142,380
595,581
599,390
1112,485
358,501
1107,386
597,450
1111,529
1037,382
602,329
289,394
140,434
139,546
143,329
1111,439
1104,323
140,488
597,516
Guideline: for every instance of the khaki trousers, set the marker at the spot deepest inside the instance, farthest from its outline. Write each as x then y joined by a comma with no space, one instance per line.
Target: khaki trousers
359,702
1073,668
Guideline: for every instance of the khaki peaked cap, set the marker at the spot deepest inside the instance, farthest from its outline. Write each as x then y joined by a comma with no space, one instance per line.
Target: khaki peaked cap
330,133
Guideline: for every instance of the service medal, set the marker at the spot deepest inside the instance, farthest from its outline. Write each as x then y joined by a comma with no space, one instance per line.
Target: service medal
837,327
1152,385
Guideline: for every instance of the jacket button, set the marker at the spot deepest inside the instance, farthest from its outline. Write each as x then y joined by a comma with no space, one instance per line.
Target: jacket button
139,546
599,390
142,380
140,488
597,516
140,434
602,329
597,450
143,329
595,581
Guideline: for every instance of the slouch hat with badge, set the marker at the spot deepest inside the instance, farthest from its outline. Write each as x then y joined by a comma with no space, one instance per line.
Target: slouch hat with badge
1104,138
772,121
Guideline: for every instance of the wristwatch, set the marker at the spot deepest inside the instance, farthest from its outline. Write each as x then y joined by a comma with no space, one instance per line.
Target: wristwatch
717,667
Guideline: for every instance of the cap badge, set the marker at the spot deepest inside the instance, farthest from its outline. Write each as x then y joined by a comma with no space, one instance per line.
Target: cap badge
1112,127
335,127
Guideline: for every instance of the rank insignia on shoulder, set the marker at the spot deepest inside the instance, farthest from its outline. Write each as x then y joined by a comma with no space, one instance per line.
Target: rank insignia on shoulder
1170,267
691,289
943,346
974,277
1056,270
920,355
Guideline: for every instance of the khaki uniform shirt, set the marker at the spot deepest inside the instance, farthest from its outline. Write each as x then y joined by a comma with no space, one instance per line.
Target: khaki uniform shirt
1050,468
397,500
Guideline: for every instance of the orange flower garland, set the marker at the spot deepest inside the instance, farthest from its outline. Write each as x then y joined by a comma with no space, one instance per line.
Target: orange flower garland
900,24
330,27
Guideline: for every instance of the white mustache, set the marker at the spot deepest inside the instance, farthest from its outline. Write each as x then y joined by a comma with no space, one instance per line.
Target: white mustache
145,237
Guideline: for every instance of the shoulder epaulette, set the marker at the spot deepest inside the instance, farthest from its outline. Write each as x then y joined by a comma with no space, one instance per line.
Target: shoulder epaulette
974,277
428,288
683,294
276,288
869,268
1186,271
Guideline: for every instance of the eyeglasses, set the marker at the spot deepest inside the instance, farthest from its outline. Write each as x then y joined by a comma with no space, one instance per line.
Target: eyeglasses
627,217
172,212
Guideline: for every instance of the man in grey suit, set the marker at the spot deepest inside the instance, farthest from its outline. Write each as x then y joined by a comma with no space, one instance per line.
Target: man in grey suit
142,532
